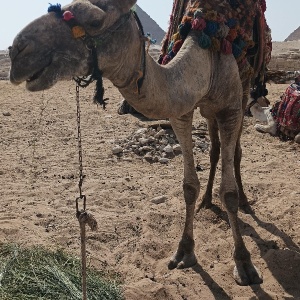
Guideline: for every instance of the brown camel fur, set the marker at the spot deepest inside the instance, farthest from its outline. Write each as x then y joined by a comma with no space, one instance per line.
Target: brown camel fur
45,51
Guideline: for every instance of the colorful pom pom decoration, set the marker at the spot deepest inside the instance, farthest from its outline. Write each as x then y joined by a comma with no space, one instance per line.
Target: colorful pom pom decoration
221,26
54,8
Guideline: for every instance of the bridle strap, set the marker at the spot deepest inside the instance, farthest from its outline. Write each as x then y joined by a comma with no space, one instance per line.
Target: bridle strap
92,42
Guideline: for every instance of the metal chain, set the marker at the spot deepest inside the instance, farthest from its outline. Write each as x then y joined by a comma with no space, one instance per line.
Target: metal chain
83,216
79,144
81,213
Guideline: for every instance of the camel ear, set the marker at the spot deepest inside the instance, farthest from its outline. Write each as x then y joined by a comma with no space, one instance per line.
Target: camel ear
125,5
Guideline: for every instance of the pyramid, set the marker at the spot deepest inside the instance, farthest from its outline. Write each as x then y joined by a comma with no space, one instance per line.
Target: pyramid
294,36
150,25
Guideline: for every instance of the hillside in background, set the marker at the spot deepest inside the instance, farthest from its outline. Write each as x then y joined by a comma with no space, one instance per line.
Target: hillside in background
294,36
150,25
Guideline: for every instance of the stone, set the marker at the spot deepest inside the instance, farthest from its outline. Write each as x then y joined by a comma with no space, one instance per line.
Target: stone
159,199
168,149
177,148
163,160
117,149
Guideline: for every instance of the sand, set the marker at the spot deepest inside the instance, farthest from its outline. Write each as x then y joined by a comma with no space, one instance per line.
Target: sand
136,237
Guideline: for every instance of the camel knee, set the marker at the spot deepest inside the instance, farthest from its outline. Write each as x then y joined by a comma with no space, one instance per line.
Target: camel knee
231,201
191,192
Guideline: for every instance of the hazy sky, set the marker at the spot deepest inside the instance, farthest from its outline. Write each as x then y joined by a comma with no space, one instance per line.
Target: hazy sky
282,16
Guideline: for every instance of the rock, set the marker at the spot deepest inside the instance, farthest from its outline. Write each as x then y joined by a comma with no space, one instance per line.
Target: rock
117,149
6,114
159,199
143,141
141,131
163,160
160,133
177,149
127,159
146,148
163,141
148,156
168,149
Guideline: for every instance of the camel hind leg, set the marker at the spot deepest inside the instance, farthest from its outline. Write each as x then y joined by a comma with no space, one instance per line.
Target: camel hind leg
214,159
230,122
214,155
184,256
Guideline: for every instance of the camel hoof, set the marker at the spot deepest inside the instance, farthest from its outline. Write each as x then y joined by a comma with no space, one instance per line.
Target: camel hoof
126,108
246,274
187,261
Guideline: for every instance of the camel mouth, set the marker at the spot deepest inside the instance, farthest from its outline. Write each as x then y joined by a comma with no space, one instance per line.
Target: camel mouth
42,79
39,73
36,75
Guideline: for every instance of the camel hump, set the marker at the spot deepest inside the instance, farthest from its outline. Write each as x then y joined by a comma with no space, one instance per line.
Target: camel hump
230,27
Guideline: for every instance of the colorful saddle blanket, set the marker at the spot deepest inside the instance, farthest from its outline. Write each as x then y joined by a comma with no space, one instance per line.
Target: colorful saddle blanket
287,111
222,25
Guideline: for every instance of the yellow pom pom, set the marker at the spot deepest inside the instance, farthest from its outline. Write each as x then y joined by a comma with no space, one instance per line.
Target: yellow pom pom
176,37
78,32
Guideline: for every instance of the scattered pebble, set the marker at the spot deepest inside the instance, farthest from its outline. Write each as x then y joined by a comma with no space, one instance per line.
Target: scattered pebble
6,114
159,199
156,144
117,149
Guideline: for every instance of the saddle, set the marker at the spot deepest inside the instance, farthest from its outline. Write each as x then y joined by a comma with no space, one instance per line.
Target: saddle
235,27
287,112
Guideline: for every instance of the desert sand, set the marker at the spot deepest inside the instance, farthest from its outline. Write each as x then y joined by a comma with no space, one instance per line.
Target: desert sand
136,235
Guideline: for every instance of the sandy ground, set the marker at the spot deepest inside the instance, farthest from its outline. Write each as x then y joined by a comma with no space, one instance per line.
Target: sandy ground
136,237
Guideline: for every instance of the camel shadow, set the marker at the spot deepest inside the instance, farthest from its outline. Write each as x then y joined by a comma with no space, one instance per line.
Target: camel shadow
216,290
284,264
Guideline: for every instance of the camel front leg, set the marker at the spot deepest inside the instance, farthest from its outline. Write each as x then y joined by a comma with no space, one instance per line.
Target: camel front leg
185,257
229,124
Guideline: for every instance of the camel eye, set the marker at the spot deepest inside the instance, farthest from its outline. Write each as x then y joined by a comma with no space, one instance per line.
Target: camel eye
95,23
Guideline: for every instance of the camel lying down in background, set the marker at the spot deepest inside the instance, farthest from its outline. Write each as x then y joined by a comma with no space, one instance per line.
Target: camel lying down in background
283,118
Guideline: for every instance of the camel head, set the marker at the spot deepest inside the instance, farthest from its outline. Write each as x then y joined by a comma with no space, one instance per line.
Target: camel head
50,49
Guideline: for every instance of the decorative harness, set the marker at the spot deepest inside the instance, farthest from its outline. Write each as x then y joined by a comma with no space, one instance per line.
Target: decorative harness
92,42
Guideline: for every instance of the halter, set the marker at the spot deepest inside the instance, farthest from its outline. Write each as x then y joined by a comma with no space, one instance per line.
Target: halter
92,42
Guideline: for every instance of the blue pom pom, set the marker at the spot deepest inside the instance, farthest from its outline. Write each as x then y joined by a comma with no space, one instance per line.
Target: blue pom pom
184,29
170,46
54,8
231,23
240,42
171,54
236,50
204,41
211,28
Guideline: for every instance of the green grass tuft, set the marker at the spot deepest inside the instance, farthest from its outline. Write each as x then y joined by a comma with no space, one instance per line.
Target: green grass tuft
39,274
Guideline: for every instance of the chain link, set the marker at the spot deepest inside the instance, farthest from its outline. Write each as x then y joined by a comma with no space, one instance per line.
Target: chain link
81,196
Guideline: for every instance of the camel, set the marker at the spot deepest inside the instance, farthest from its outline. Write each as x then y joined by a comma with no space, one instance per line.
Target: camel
273,125
49,49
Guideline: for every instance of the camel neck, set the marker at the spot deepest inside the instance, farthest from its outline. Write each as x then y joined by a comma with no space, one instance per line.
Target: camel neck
120,60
